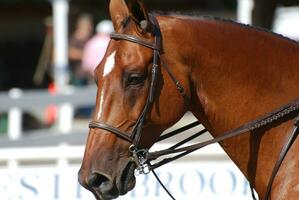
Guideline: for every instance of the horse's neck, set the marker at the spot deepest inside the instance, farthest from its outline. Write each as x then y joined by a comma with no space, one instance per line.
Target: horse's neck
240,73
237,74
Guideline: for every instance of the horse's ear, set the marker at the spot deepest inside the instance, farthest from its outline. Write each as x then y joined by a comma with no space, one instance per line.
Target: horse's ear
119,12
139,13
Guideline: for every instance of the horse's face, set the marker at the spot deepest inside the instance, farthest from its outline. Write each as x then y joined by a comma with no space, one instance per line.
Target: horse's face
123,79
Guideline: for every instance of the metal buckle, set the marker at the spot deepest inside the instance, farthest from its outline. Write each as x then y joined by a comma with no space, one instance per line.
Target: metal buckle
140,157
179,87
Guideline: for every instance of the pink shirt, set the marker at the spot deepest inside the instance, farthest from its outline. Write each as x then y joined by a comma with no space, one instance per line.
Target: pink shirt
94,52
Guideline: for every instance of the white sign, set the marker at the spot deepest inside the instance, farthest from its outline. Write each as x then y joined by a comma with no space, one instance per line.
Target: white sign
189,180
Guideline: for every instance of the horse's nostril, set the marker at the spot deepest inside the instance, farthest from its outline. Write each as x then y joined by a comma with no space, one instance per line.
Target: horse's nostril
100,181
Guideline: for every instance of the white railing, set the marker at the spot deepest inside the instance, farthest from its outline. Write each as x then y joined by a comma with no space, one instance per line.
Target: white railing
17,101
11,158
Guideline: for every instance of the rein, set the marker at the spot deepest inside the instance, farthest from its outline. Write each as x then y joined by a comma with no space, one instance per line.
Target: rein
143,158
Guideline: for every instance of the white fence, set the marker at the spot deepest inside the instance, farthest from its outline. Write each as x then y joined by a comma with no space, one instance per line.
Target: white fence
17,101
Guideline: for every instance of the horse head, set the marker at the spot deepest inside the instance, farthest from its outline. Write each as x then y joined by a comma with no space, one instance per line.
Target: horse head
124,79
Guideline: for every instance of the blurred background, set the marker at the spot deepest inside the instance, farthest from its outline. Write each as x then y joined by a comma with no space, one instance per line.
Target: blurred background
48,50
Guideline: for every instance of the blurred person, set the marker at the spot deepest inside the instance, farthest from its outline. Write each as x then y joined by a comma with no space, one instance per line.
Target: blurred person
95,48
44,73
93,53
83,32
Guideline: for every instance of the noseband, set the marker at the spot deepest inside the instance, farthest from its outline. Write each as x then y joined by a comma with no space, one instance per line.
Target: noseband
142,157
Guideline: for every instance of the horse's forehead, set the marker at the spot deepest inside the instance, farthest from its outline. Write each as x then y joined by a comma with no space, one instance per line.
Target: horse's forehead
128,53
122,55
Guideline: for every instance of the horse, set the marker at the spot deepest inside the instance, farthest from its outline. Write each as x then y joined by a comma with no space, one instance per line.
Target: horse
227,74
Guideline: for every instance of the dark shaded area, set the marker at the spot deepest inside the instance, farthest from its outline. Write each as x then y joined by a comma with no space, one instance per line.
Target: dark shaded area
22,28
18,61
264,11
22,34
21,39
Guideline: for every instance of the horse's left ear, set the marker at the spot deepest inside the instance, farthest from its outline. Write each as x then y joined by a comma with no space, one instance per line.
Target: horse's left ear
139,13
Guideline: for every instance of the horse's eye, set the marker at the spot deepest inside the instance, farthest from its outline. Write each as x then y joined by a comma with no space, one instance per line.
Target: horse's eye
135,79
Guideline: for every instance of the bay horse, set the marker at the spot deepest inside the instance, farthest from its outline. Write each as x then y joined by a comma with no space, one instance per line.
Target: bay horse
225,73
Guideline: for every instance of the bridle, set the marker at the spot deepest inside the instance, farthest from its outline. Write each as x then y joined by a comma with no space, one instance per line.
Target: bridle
134,137
143,158
140,155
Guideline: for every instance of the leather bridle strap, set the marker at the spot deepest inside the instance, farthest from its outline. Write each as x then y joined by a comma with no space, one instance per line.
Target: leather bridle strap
291,139
136,134
177,83
134,138
109,128
267,119
251,126
134,39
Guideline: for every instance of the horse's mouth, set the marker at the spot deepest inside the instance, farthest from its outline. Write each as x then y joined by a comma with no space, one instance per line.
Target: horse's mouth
127,179
106,191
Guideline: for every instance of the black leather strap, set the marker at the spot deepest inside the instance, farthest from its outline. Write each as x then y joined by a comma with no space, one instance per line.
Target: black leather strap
282,155
116,131
134,39
178,84
135,136
250,126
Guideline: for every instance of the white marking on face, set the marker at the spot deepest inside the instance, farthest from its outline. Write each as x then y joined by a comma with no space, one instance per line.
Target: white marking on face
108,67
101,104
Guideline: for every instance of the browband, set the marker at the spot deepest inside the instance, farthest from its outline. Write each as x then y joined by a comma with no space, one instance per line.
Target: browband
134,39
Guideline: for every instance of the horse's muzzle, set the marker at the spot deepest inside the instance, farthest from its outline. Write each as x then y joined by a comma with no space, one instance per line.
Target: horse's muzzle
106,187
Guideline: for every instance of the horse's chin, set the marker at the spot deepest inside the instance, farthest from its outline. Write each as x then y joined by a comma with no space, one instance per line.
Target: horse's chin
127,179
100,196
